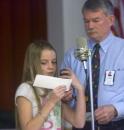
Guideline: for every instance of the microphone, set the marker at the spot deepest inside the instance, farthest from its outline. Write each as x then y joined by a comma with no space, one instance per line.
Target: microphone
82,51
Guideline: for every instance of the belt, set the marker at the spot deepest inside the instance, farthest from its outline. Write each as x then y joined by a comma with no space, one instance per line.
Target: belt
113,125
118,123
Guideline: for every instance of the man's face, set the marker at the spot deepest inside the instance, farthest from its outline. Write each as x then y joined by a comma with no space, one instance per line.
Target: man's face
97,24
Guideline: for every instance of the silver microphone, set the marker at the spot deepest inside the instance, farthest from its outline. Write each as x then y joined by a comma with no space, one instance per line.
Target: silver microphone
82,51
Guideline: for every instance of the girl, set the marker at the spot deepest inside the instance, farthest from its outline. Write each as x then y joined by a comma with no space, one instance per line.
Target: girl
40,108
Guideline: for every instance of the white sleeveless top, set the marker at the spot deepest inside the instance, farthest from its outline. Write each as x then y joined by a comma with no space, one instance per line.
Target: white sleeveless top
54,119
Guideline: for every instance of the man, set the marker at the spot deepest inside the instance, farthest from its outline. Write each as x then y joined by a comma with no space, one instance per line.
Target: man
99,18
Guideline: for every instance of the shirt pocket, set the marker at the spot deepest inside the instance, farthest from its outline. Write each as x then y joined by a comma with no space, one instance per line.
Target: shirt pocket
118,83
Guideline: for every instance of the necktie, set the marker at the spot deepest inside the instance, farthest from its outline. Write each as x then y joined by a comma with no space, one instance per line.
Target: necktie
95,73
95,78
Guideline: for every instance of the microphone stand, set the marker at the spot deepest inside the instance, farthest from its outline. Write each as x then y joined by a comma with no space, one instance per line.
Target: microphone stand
91,90
83,54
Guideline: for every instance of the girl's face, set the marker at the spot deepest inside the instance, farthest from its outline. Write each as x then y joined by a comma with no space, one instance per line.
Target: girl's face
48,62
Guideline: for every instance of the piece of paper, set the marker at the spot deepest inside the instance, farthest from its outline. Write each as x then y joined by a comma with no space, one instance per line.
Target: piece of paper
51,82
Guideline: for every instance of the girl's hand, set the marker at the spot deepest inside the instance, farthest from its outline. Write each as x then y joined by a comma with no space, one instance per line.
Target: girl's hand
57,94
68,95
69,74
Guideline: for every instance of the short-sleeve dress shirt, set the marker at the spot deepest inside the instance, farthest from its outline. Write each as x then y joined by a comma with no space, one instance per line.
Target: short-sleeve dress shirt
111,60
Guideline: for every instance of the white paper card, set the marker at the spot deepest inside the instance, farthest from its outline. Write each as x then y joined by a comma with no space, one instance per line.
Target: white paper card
51,82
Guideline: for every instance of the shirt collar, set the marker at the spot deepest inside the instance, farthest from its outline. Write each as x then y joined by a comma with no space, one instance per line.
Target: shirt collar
104,44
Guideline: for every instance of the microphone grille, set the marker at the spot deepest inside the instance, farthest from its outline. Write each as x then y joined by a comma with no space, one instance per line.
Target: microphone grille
82,50
81,42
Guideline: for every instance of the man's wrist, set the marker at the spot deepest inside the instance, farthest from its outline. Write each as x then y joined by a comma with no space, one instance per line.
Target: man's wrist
115,112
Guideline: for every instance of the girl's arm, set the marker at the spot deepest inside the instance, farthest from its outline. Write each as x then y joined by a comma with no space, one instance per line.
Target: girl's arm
75,116
24,108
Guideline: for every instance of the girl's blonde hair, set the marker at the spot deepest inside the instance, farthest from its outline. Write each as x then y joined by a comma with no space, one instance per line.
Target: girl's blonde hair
32,63
32,66
32,59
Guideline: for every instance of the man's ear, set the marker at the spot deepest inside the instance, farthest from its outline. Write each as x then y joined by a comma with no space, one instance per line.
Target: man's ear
112,19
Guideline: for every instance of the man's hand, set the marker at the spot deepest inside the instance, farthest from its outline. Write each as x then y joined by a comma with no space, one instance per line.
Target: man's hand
105,114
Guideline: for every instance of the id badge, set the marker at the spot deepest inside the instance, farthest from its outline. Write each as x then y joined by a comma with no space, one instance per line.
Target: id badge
109,77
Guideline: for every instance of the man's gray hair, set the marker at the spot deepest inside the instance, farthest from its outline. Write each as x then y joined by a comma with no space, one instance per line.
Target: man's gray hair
95,5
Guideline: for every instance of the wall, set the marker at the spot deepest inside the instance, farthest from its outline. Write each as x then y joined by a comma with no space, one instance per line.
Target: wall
64,24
